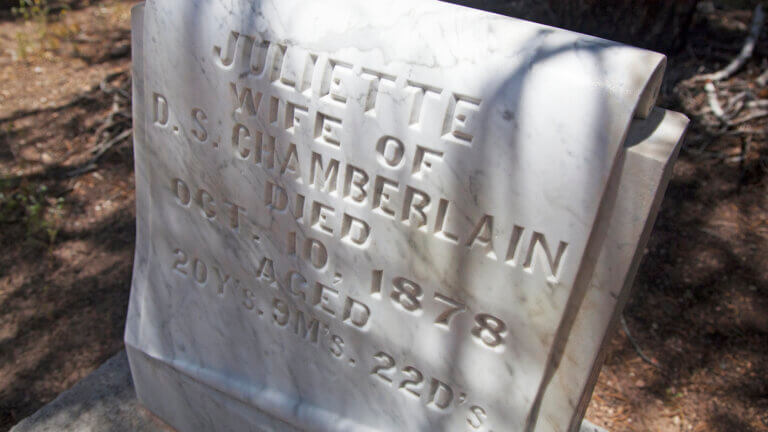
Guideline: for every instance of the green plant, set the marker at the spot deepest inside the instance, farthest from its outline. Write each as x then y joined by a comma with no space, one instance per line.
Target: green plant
33,10
48,29
33,207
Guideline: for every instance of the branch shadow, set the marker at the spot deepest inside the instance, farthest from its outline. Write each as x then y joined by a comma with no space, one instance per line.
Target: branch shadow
63,300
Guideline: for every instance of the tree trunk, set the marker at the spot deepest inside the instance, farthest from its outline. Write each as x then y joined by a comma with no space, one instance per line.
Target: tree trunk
660,25
657,24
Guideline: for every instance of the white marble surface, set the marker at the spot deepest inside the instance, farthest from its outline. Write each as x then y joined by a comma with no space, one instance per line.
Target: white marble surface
105,400
411,289
633,199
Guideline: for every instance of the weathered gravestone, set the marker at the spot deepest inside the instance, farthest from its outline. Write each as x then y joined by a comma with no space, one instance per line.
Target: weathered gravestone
380,216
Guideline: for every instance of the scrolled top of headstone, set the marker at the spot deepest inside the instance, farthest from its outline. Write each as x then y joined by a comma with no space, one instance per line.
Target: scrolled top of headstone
359,215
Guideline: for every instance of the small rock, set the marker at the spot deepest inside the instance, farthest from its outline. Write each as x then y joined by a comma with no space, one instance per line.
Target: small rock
30,154
120,50
706,7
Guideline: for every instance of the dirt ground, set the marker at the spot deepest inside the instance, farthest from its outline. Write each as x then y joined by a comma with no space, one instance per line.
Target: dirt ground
699,310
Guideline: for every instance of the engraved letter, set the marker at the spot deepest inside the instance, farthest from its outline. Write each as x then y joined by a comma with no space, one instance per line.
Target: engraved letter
223,279
337,347
477,417
554,262
275,197
323,302
460,122
442,215
316,253
266,273
440,394
207,203
239,132
421,93
265,150
336,81
182,192
301,292
330,181
297,69
483,235
291,163
354,230
356,313
376,83
517,232
259,57
422,160
358,178
199,117
418,201
234,215
328,130
280,312
390,151
295,116
304,328
234,41
246,101
319,217
381,198
161,110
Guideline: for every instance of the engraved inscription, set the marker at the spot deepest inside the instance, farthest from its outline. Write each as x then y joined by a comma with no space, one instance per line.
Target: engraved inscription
395,194
305,203
264,281
408,296
434,393
296,68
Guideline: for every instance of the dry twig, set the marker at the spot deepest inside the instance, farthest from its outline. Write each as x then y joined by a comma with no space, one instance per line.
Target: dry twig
762,80
751,116
714,104
758,17
116,128
637,346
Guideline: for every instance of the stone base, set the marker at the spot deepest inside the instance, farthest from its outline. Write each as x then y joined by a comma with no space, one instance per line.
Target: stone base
106,401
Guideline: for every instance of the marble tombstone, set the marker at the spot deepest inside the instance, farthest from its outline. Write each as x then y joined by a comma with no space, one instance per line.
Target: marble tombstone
383,216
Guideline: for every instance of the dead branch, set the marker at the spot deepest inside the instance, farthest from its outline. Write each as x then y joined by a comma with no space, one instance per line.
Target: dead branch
760,103
116,127
109,144
91,164
751,131
714,104
748,117
637,346
762,80
758,17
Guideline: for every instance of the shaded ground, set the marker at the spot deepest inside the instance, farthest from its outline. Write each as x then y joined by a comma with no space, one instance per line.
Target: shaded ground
66,242
699,309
